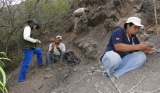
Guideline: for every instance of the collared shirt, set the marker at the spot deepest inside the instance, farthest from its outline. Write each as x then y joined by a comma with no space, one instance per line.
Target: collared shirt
119,36
55,50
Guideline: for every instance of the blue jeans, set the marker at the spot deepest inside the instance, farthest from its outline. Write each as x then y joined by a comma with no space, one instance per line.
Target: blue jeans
50,57
27,59
118,66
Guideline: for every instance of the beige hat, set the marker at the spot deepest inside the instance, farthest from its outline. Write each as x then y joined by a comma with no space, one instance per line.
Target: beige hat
136,21
58,36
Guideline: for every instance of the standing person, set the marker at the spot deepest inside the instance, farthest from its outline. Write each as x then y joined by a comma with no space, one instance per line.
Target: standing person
79,15
124,52
56,52
28,46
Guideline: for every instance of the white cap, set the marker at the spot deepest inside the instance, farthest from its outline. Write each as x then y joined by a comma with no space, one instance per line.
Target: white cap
58,36
136,21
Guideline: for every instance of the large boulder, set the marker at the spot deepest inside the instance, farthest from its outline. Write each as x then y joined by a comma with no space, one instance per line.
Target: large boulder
89,48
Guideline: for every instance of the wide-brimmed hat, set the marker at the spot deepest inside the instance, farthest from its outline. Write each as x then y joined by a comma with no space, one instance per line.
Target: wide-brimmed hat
33,22
86,9
58,36
136,21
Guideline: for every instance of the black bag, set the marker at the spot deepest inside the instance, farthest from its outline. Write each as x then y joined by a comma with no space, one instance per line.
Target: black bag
71,58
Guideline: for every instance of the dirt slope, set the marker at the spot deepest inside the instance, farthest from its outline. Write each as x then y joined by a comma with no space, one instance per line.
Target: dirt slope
86,77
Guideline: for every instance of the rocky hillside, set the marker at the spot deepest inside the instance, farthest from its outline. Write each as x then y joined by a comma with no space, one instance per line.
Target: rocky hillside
105,16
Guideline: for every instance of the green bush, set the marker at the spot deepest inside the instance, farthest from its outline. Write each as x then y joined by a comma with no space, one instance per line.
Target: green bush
3,80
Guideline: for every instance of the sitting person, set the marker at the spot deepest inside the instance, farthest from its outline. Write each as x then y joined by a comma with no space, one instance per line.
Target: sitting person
124,51
56,52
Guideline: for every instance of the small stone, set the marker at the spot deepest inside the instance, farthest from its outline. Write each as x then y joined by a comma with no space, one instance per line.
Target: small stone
101,66
102,83
90,73
53,92
92,68
48,76
59,69
100,92
96,85
88,80
158,50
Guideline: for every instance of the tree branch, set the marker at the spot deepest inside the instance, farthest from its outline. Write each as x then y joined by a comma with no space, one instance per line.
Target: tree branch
2,6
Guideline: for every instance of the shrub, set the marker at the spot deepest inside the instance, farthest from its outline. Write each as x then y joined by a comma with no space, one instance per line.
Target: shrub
3,80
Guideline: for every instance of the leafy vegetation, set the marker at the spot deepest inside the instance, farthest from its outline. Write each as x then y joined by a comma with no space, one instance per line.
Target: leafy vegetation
3,81
13,18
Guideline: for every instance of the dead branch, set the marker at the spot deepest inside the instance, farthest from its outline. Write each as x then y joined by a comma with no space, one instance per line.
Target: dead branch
113,82
136,85
4,25
115,85
154,91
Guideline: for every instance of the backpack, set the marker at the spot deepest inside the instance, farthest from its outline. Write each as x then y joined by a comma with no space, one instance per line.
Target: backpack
71,58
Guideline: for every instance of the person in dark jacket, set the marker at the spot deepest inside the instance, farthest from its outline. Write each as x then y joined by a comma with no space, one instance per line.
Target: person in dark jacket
28,46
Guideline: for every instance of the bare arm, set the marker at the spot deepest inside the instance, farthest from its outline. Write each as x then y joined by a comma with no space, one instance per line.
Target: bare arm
125,47
149,50
52,47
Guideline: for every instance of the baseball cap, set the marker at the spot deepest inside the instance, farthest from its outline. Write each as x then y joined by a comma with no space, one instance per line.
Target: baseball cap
58,36
135,20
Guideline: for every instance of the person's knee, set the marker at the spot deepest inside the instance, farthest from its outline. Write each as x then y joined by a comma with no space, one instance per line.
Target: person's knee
142,55
111,59
39,50
48,54
63,52
62,55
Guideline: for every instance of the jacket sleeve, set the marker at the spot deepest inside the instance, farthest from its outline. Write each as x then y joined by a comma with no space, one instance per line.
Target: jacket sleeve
26,35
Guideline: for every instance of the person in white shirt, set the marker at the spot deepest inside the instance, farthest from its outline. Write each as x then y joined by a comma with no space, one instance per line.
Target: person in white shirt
28,46
56,52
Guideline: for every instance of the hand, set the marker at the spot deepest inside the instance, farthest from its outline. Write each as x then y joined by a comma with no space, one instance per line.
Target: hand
143,45
53,45
150,50
57,46
38,41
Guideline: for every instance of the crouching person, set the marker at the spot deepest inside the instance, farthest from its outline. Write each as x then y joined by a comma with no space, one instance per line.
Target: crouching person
55,53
